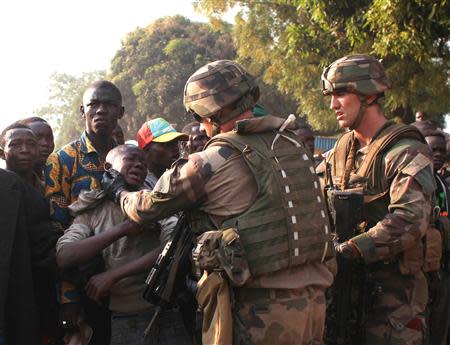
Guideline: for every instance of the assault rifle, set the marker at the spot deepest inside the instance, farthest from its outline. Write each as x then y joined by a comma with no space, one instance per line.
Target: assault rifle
168,277
348,297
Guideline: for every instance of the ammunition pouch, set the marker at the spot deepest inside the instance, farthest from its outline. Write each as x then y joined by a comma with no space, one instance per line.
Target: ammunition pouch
222,250
433,250
412,260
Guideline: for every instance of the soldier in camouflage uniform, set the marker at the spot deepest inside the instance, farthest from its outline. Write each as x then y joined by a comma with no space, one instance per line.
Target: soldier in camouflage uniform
256,177
391,165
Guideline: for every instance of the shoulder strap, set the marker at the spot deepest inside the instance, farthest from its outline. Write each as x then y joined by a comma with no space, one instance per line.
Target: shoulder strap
340,153
229,137
388,137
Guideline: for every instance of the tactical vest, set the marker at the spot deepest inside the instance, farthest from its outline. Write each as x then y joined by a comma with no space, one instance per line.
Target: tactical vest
287,225
369,176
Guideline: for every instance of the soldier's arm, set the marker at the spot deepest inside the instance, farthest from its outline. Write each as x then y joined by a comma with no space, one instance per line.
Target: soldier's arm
57,190
411,185
180,188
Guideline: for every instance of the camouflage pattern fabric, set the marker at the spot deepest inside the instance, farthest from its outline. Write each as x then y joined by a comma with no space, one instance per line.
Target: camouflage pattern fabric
279,316
217,85
392,246
387,335
362,74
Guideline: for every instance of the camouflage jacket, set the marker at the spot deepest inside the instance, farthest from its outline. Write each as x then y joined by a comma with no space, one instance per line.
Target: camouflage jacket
401,222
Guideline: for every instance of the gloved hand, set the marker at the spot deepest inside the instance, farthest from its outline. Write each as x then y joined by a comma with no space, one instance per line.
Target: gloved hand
348,250
113,184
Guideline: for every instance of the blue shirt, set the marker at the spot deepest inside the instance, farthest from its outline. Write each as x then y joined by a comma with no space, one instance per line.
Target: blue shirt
75,167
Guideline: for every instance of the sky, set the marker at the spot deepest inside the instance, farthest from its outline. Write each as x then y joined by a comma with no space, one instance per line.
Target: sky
41,37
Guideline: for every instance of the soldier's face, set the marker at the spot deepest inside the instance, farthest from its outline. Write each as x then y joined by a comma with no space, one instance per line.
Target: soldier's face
206,126
346,107
438,146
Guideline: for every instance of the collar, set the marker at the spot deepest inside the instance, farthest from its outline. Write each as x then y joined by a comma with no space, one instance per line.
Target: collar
261,124
87,146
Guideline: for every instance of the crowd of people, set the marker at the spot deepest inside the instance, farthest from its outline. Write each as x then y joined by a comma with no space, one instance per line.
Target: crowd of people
83,225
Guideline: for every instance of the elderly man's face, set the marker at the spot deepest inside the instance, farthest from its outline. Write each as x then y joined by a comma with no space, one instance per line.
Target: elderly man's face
21,150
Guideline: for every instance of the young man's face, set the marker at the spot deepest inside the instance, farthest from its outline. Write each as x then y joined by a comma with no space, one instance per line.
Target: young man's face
162,155
102,108
44,136
346,106
438,146
20,151
131,166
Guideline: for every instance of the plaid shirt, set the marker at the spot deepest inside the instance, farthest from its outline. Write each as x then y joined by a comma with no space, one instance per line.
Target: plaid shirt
73,168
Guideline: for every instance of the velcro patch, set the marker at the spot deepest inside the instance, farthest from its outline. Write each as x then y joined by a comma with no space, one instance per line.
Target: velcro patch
417,164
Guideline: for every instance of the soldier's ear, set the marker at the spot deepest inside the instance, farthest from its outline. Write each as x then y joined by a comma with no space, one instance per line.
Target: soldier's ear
2,153
82,111
108,165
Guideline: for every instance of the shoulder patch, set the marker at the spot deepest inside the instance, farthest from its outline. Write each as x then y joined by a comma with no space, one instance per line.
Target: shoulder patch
421,169
417,164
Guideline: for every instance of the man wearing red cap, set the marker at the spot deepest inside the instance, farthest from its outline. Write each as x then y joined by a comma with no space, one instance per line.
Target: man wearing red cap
159,140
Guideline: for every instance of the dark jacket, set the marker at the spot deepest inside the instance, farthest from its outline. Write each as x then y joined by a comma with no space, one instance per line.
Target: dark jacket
18,312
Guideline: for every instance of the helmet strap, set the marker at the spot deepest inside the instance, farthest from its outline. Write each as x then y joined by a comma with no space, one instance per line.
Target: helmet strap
362,109
245,103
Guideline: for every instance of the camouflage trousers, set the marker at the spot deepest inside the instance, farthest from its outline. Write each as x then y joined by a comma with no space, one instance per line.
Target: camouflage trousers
279,316
398,315
439,308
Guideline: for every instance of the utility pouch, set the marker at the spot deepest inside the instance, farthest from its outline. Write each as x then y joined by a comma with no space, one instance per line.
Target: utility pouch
433,250
412,260
206,252
223,250
214,297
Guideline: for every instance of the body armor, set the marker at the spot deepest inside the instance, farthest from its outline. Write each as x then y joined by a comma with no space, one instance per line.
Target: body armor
369,177
287,224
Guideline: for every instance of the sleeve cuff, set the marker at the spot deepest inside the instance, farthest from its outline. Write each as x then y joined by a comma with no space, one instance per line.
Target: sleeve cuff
366,247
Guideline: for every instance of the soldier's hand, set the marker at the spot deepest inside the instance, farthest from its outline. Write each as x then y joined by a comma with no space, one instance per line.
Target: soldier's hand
113,184
348,250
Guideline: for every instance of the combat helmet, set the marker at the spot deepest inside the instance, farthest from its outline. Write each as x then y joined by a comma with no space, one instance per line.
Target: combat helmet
361,74
217,85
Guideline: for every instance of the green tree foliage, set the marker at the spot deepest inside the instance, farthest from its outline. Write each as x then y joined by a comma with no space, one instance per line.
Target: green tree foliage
290,41
154,63
63,108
